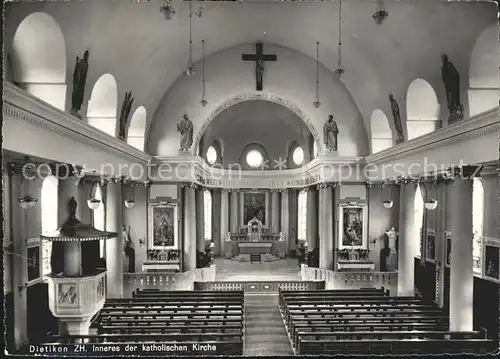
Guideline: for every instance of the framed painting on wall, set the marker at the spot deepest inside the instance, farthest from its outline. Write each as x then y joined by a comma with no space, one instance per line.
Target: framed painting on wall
254,206
33,263
163,228
431,246
353,227
492,262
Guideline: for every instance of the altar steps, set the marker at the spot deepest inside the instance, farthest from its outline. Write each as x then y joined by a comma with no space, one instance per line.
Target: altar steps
265,333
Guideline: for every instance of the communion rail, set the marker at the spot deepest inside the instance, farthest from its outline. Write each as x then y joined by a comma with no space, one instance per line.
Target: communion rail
166,280
351,280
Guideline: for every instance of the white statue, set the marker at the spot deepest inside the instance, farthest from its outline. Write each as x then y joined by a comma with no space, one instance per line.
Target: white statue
393,235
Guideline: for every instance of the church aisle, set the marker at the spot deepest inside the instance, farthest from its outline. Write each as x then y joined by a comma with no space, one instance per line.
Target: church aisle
265,334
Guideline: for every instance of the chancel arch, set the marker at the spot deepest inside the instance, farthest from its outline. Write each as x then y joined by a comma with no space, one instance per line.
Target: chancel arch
381,134
422,109
37,59
102,107
483,74
137,128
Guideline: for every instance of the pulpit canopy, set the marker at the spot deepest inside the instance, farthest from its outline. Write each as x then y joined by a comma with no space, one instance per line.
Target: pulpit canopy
75,231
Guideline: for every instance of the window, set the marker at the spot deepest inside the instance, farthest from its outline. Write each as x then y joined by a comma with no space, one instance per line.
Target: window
302,216
254,158
419,218
315,150
298,156
99,217
49,202
211,155
477,224
207,202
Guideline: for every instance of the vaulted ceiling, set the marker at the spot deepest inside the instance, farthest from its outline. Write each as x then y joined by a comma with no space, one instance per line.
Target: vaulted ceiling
147,54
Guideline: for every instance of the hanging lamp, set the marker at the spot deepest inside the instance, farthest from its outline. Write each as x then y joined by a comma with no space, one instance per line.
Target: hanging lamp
167,10
340,70
380,15
387,202
317,103
27,199
190,70
430,203
204,102
130,201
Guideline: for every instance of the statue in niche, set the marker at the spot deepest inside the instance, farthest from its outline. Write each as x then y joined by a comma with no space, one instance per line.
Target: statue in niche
185,127
397,119
331,132
392,236
128,248
451,79
79,79
125,112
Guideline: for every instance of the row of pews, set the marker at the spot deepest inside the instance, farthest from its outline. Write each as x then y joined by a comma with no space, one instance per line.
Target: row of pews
369,321
176,318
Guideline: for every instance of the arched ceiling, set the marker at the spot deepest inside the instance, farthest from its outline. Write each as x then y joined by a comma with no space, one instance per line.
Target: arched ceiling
147,54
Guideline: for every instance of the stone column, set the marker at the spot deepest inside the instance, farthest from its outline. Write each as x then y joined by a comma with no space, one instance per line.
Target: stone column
200,226
216,221
461,273
440,244
224,218
326,230
275,214
19,272
312,225
241,209
267,214
409,237
234,224
189,228
114,246
285,219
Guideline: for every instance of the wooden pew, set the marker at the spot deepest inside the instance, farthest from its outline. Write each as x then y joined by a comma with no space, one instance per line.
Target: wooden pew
175,301
143,307
143,329
170,321
346,294
189,293
397,346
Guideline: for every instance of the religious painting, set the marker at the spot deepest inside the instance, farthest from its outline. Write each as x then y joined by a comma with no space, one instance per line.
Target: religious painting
353,229
492,262
431,246
254,206
33,263
163,230
448,248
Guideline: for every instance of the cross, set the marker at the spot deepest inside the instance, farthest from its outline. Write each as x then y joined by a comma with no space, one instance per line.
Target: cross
259,59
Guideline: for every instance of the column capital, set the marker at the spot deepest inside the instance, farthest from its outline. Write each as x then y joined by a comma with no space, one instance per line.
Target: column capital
375,184
326,185
189,185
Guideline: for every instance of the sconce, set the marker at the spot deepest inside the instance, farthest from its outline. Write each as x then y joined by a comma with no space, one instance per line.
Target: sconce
93,203
167,10
141,241
27,201
22,287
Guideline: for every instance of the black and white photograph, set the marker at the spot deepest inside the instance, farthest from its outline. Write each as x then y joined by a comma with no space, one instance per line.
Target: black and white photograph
251,178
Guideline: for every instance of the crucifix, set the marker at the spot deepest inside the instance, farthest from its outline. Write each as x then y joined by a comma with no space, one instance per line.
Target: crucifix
259,59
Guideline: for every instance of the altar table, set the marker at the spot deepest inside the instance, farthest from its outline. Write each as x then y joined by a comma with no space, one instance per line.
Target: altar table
254,248
160,266
355,265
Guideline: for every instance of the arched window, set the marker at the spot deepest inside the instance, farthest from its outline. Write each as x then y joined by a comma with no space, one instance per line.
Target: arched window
99,216
419,218
254,158
381,132
483,74
101,111
137,128
477,224
211,155
422,109
315,149
207,202
49,203
38,59
298,156
302,216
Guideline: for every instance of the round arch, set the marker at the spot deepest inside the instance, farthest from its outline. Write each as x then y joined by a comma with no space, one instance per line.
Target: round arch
422,109
267,96
137,128
101,110
38,59
483,72
381,134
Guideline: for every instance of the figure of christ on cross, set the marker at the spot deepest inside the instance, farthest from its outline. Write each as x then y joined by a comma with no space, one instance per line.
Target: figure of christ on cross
259,59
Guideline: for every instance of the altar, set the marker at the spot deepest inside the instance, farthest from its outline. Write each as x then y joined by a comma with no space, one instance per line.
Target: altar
254,238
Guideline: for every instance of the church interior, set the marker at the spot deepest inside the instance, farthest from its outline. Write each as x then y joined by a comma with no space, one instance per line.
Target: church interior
251,177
